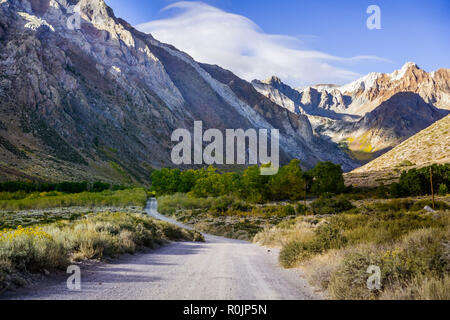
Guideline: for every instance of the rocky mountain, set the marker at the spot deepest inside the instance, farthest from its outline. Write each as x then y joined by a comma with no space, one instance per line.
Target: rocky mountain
321,100
363,95
427,147
370,115
86,96
370,91
395,120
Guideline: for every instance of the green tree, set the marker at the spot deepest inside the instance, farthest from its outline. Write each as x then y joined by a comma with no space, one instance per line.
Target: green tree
210,185
288,183
254,186
188,179
416,182
327,177
166,181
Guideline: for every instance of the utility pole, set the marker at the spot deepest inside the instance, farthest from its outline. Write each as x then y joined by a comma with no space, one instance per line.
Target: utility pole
432,189
306,186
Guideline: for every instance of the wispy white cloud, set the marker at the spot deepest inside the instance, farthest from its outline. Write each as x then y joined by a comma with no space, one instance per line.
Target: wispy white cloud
234,42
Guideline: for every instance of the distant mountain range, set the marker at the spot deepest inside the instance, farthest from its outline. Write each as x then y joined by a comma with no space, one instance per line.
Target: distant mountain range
370,115
101,101
362,95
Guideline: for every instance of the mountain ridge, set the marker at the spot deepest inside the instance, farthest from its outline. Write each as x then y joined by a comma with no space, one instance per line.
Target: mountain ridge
364,94
357,115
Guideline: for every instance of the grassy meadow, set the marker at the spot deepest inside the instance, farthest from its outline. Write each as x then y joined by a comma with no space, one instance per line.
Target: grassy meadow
14,201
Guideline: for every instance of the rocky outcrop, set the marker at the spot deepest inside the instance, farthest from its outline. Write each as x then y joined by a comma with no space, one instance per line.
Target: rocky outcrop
369,92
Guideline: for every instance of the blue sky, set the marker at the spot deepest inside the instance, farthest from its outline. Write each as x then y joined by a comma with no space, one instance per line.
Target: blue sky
329,37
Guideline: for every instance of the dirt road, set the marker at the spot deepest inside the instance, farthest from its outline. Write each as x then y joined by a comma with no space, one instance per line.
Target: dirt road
218,269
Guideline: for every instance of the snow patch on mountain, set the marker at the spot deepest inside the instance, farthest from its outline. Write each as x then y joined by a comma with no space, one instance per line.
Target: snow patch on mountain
34,22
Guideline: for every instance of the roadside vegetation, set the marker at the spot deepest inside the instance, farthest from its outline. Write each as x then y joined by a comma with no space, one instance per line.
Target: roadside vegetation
44,248
291,183
226,216
46,227
333,232
21,200
411,246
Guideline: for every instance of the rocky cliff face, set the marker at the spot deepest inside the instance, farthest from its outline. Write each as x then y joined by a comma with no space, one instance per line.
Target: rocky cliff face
322,100
99,100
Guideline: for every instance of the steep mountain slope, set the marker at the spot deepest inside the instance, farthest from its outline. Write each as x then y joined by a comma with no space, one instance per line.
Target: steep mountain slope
427,147
290,123
395,120
101,100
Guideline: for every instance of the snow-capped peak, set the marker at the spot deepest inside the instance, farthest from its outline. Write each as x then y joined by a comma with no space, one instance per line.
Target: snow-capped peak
271,80
398,74
363,83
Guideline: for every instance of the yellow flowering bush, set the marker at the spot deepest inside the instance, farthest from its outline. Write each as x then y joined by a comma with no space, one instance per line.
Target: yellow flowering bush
33,232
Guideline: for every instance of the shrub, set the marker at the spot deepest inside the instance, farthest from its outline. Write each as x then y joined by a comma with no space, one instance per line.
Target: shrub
443,190
420,288
439,205
287,211
240,206
301,209
394,205
326,237
420,254
296,251
325,205
170,204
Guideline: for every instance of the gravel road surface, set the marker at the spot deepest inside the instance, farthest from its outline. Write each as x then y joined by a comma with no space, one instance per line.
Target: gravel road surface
219,269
